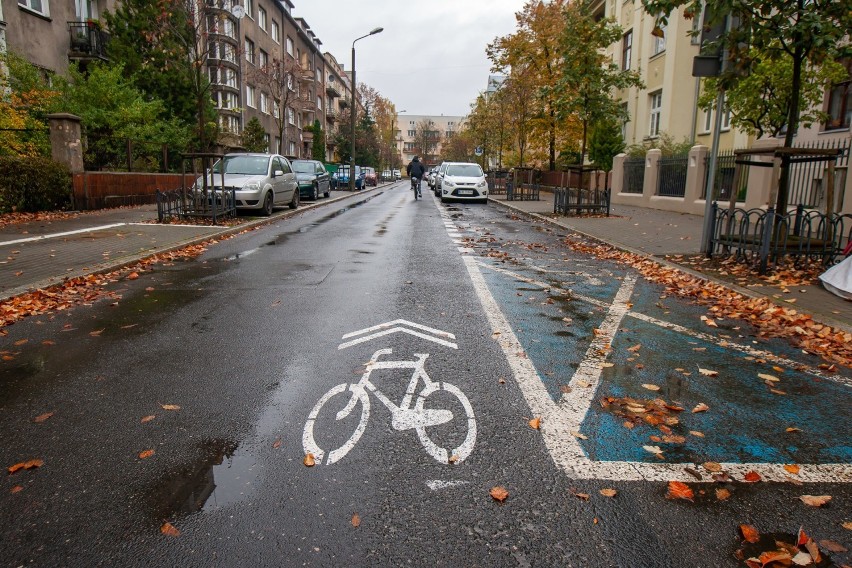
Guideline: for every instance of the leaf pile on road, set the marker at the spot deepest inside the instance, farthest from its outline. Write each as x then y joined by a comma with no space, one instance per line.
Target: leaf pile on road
783,550
89,288
770,319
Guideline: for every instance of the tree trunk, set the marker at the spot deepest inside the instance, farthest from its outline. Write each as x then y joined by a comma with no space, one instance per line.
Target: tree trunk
552,141
583,147
792,126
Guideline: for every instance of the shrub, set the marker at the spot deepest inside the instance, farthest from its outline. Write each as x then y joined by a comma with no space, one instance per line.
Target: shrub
33,184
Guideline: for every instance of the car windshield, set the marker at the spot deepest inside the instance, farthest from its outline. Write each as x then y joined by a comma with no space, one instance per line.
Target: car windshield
304,167
243,165
464,170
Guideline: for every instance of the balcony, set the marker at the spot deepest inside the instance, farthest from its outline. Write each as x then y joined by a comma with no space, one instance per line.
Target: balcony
331,114
88,41
343,102
331,89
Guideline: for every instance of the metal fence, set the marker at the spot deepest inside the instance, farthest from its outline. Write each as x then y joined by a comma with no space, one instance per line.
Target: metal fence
807,179
671,181
207,197
497,180
724,181
634,175
574,200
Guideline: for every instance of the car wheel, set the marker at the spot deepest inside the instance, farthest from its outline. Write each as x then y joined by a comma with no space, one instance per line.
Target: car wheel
294,203
267,204
316,193
327,193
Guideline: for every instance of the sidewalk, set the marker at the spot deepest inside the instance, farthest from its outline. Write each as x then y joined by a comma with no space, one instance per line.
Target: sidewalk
664,233
44,253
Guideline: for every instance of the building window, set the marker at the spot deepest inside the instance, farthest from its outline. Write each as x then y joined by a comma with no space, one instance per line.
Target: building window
319,103
249,8
289,46
264,103
250,96
266,139
291,117
659,40
263,59
229,123
250,51
38,6
840,102
261,18
276,32
276,109
292,149
412,132
708,121
656,100
230,78
626,50
277,144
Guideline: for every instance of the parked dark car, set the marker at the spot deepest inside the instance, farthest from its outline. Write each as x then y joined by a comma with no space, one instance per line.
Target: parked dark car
342,177
313,179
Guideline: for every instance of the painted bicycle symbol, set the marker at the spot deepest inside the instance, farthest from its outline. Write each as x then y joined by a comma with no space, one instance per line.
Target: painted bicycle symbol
408,415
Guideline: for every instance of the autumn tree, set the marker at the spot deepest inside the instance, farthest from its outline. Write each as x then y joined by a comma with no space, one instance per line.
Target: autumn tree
253,137
163,45
383,114
606,142
533,50
25,100
807,32
460,147
426,140
589,77
318,144
281,78
759,103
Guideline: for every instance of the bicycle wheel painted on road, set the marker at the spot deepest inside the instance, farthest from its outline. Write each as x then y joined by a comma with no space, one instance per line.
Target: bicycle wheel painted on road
463,450
358,395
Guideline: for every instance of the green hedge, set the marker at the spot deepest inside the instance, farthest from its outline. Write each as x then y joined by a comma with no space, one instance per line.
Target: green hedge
33,184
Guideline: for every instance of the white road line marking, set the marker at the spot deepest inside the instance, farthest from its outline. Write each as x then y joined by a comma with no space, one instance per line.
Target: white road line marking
400,322
701,336
436,484
397,330
559,419
63,234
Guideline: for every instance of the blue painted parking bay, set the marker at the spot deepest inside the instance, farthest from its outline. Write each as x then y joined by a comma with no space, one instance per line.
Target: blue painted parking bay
790,415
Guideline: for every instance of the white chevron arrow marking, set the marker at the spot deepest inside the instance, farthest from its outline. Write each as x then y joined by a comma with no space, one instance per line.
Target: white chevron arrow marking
399,326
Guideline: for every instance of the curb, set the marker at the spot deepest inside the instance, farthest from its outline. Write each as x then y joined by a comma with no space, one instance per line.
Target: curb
135,258
821,318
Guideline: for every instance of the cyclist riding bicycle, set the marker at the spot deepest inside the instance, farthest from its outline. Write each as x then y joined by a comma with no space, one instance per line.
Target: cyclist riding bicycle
416,169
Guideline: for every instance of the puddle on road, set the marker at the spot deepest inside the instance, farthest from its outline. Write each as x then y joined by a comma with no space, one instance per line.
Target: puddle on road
223,474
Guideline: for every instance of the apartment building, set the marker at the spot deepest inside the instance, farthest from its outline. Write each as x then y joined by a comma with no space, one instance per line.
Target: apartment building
247,41
440,129
663,55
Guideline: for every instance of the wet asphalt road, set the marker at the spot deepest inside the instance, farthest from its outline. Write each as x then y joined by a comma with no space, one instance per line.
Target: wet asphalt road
246,340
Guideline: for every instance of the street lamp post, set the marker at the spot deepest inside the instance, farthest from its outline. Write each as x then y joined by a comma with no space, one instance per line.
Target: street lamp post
354,112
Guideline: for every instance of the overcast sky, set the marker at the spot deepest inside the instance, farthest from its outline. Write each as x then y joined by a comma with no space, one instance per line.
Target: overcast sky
430,58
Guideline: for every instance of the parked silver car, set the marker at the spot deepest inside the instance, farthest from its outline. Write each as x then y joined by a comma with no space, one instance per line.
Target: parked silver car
260,181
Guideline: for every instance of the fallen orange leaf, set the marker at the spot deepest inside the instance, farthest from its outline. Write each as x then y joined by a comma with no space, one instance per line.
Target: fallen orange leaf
722,494
750,533
815,500
356,520
20,342
276,444
792,468
146,454
535,423
25,465
170,407
608,492
133,276
775,556
169,529
16,489
700,407
499,493
42,417
752,477
48,342
147,418
679,490
309,460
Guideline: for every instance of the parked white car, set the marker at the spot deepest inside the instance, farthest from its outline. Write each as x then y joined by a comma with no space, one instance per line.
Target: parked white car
439,175
464,181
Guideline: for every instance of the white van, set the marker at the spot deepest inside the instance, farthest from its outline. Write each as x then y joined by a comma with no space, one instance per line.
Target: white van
463,181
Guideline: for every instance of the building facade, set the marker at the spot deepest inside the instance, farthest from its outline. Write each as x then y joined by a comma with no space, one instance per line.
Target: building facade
252,46
437,129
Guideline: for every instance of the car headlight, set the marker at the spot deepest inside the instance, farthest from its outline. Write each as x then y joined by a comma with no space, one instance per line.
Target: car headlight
252,186
449,183
483,183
